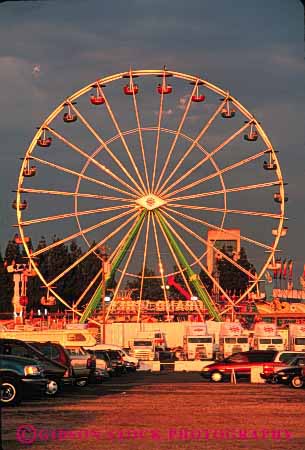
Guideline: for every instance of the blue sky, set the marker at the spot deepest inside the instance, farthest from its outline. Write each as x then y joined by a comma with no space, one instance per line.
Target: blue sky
52,48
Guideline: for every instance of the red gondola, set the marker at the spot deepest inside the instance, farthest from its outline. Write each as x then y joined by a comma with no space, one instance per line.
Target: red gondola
269,165
131,90
164,89
69,117
18,239
198,98
22,205
252,136
97,99
227,113
44,142
278,198
29,171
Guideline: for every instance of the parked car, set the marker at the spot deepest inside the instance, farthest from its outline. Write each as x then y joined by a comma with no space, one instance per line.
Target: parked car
77,371
53,371
117,362
242,362
104,356
131,363
123,352
20,376
84,364
293,374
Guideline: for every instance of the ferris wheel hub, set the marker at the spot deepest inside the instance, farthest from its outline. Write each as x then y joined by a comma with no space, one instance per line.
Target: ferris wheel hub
150,202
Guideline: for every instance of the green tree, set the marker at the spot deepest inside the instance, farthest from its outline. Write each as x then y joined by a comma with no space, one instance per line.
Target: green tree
6,287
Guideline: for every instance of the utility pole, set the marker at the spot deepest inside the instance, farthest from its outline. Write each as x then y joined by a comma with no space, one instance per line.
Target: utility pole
105,272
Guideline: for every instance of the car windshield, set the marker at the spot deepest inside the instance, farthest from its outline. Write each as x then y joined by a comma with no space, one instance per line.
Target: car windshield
242,340
200,340
142,343
231,340
277,341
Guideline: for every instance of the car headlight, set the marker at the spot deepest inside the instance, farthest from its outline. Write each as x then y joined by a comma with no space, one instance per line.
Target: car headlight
205,369
32,370
280,373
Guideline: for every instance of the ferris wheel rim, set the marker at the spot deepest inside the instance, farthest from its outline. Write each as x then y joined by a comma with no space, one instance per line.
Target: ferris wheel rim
210,86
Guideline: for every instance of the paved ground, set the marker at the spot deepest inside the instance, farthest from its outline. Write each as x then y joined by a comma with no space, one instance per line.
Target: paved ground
161,411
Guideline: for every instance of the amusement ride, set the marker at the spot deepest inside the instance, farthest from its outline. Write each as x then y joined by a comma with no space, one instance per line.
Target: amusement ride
146,163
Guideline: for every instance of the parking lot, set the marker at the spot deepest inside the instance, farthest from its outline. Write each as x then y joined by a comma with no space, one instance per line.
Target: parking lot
163,410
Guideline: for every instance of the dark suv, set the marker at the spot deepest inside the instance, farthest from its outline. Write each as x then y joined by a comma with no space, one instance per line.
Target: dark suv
53,371
19,376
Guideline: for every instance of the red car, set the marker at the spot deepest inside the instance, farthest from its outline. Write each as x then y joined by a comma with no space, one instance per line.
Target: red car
241,363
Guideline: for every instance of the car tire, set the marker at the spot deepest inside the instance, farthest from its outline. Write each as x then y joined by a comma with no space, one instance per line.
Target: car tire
81,383
216,376
52,388
10,392
296,382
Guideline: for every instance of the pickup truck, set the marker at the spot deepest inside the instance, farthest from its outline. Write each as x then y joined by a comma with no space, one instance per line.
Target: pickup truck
18,376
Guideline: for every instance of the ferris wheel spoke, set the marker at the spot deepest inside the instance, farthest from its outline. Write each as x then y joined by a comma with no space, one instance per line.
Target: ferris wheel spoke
82,232
215,227
177,133
124,269
102,167
230,211
140,134
208,244
75,214
144,265
91,250
193,144
234,189
81,175
219,172
72,194
90,285
108,150
157,140
136,169
194,256
207,158
161,268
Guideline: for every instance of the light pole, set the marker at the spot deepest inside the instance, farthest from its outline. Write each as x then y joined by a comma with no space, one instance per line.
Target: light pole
105,272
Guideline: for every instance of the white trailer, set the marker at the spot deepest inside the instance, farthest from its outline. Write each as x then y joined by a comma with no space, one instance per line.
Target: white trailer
197,344
296,337
232,339
68,338
266,337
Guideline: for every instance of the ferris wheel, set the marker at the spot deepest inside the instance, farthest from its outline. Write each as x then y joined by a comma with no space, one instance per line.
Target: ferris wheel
150,163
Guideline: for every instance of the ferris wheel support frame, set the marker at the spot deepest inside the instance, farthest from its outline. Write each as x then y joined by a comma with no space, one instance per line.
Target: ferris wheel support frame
192,276
95,301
